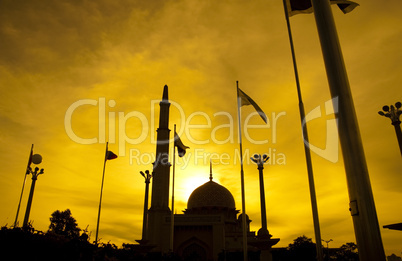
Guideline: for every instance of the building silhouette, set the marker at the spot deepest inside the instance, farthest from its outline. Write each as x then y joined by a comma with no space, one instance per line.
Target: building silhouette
210,228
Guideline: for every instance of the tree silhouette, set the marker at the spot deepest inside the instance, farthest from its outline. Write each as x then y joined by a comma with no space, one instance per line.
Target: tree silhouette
347,252
394,257
63,223
302,249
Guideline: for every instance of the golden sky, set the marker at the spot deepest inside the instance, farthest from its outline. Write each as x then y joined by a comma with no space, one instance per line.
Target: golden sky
74,74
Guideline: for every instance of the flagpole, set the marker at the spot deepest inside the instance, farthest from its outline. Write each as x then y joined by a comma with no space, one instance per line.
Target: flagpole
243,201
23,186
362,206
172,211
100,200
306,142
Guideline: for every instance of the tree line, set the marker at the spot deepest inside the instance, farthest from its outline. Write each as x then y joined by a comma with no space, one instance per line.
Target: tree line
64,240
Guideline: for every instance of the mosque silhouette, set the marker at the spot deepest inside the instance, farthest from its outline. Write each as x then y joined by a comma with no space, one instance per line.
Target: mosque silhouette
211,226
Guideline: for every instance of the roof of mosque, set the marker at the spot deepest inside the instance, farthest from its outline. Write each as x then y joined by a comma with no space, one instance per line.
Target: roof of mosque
211,194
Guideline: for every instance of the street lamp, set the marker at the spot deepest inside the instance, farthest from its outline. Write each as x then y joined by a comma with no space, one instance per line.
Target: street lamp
327,241
36,159
147,177
393,113
263,231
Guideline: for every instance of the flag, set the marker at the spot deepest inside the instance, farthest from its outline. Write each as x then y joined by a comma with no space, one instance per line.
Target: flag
181,148
304,6
244,99
110,155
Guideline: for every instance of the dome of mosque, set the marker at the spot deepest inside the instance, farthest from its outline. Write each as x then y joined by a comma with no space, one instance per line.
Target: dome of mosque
211,194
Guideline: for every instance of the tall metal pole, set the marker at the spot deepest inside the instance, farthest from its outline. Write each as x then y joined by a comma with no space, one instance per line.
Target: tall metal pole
172,210
27,171
35,175
362,205
393,113
399,135
263,231
327,241
307,153
147,177
28,210
243,200
101,192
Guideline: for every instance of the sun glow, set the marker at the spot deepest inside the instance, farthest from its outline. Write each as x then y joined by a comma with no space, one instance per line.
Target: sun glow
188,184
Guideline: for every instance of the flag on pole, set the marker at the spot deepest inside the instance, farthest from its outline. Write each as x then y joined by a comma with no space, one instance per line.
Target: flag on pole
316,222
244,99
181,148
304,6
110,155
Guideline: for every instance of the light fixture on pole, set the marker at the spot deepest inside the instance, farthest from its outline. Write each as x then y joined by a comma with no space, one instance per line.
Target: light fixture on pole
36,159
263,231
327,241
393,113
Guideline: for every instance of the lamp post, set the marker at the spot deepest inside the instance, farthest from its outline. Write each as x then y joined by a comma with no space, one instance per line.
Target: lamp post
147,177
393,113
263,231
327,241
36,159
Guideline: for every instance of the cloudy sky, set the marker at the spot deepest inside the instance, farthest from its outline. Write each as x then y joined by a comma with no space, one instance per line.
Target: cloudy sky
75,74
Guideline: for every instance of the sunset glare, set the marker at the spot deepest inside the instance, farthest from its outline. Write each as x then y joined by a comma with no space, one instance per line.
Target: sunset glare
77,74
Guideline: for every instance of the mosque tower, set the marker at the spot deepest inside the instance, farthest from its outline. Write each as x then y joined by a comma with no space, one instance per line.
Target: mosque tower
158,226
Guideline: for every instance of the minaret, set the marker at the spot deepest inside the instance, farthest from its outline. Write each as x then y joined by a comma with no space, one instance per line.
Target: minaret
210,171
158,227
